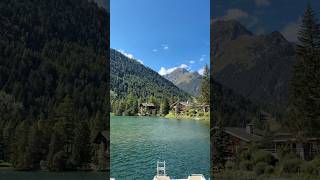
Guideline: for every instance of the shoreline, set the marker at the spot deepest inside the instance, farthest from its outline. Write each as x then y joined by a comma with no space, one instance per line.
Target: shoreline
172,116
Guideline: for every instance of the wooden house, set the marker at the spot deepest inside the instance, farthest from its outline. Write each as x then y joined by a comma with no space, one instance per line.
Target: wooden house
238,139
306,149
102,155
184,106
147,109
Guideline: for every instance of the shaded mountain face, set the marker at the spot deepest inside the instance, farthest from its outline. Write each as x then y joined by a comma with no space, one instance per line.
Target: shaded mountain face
129,76
255,66
225,31
185,80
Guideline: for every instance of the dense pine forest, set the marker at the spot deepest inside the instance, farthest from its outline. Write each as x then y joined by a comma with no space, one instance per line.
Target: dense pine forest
53,81
234,109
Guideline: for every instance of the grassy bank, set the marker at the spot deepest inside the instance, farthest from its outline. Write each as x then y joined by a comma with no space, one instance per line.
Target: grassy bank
202,116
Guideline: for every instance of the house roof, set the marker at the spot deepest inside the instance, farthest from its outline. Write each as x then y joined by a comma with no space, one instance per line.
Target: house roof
285,136
105,134
241,133
102,136
147,104
185,103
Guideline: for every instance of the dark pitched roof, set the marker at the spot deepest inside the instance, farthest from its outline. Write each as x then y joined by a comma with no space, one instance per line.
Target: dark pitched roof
102,136
147,104
105,134
241,133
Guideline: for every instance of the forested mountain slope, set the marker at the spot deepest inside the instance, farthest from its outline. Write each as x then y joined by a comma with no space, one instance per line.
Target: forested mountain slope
128,76
53,81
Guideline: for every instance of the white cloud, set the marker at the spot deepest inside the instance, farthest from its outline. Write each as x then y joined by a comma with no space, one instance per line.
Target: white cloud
201,71
290,31
129,55
235,14
155,50
260,3
126,54
202,58
140,61
165,46
164,71
191,62
238,14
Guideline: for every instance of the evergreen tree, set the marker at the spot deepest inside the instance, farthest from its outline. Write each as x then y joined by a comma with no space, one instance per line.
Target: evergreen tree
81,146
36,148
57,145
164,107
65,116
304,106
98,125
218,143
177,109
20,146
205,86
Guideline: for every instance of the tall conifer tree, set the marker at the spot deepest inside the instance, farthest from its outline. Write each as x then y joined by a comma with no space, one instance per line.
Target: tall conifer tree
304,106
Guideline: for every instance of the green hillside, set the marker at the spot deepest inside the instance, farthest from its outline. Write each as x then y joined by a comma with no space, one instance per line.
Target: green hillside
53,81
128,76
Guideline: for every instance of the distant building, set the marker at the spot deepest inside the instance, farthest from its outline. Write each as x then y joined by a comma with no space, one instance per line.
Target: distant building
147,109
238,139
184,106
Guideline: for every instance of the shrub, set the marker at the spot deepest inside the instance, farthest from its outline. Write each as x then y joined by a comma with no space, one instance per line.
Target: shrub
290,165
59,161
239,175
269,169
260,167
316,161
230,165
192,111
262,156
310,168
246,165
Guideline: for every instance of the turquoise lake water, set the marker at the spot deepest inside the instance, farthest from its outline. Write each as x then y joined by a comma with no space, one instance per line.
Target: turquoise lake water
138,142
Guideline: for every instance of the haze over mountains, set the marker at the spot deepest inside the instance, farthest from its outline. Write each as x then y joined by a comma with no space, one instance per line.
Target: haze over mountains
255,66
185,80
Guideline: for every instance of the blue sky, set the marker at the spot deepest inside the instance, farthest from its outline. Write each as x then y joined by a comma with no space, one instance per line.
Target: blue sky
265,16
162,34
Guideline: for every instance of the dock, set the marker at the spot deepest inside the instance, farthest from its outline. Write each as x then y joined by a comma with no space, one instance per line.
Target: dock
161,174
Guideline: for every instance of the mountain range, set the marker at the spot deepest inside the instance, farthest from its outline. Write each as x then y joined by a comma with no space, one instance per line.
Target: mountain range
185,80
257,67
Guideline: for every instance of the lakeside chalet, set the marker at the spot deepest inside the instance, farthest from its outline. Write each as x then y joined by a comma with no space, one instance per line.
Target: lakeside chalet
239,139
146,109
184,106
